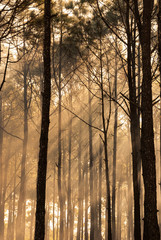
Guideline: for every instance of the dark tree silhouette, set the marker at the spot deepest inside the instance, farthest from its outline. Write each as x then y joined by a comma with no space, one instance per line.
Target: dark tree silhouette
42,165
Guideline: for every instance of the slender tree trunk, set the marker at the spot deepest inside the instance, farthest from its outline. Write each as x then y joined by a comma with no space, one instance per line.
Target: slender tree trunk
105,129
64,183
114,156
14,196
20,231
61,233
139,114
100,189
92,230
119,209
79,185
135,131
130,233
129,200
10,220
42,165
70,232
54,201
86,196
95,189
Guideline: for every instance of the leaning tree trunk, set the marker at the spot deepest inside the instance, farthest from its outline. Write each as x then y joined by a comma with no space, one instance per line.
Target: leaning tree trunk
42,165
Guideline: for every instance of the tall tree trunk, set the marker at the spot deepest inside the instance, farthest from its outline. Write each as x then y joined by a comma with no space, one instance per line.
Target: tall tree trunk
134,128
1,173
64,186
69,172
100,189
54,232
10,220
86,196
129,223
20,231
119,209
14,196
79,185
92,230
61,232
42,165
100,192
114,156
151,228
105,129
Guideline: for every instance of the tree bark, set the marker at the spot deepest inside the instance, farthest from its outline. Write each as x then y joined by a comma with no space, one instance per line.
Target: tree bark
42,164
1,173
134,128
151,228
159,55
